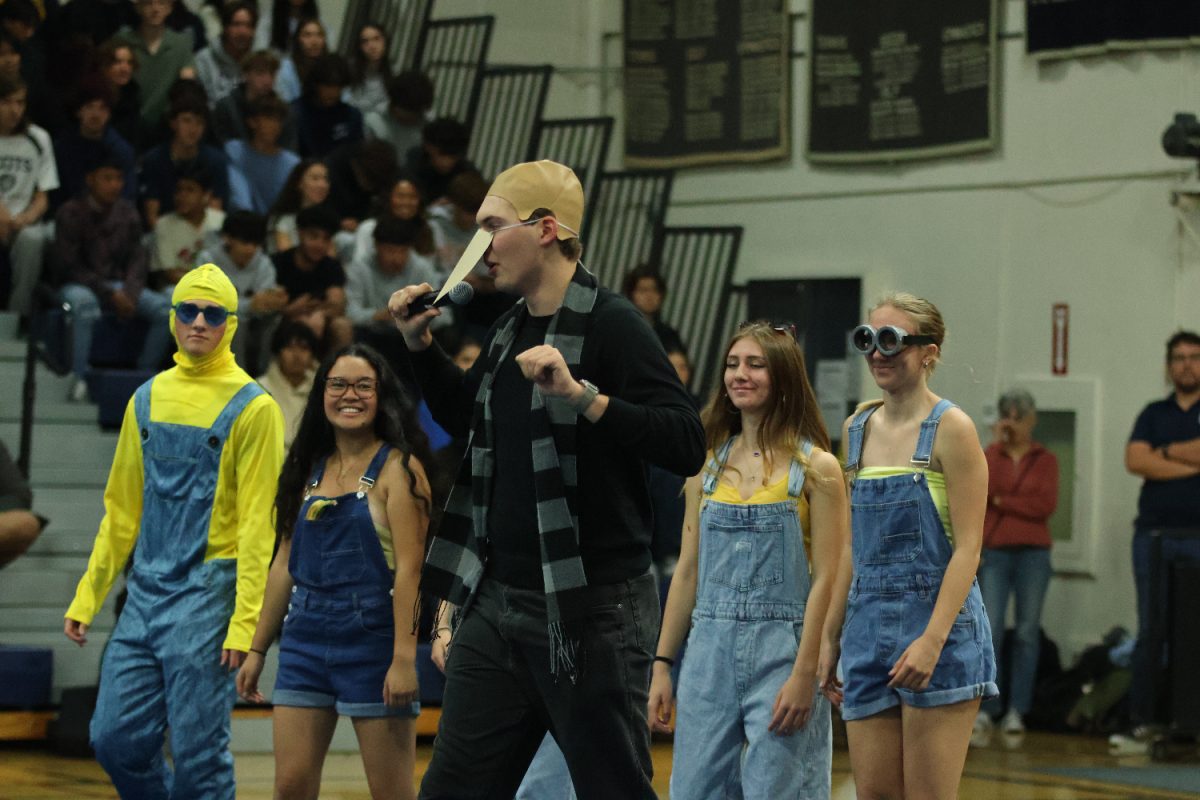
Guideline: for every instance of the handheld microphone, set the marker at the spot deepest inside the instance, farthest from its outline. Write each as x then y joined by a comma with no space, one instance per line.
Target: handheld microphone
460,295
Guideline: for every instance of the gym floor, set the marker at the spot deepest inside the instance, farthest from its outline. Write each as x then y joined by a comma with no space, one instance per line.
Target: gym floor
1005,769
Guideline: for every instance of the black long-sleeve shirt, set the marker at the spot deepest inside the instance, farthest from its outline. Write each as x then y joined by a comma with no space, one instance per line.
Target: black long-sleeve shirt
650,419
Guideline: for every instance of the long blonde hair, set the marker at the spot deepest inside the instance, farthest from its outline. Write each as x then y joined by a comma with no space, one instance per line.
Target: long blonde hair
792,413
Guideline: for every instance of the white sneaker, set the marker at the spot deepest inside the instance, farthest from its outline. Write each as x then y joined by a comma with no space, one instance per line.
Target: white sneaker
78,392
1134,743
981,732
1012,722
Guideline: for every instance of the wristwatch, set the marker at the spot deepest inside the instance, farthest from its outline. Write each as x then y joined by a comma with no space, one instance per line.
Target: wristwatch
590,392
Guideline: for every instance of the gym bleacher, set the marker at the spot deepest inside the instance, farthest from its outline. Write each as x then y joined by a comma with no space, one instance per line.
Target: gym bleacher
72,443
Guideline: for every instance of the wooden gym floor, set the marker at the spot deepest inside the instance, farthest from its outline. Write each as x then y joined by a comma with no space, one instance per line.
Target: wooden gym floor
1006,770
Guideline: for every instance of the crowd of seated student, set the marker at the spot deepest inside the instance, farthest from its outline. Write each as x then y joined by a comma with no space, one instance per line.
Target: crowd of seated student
99,258
290,373
219,66
140,138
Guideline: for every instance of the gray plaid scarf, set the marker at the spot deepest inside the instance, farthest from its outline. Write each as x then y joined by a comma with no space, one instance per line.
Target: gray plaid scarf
454,565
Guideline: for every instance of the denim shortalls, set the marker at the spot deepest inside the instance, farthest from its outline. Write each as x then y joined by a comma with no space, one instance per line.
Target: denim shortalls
162,666
339,632
751,592
900,555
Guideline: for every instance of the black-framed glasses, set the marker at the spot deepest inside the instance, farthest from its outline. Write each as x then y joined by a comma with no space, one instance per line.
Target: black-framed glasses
363,387
888,340
215,316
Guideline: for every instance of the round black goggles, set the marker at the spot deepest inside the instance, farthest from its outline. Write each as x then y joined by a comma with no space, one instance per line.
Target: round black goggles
888,340
215,316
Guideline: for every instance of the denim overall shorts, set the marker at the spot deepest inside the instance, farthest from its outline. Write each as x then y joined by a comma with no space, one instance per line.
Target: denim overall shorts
751,591
339,631
900,555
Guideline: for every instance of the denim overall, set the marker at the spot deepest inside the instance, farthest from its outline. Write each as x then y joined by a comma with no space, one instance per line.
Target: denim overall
751,592
900,555
339,632
162,665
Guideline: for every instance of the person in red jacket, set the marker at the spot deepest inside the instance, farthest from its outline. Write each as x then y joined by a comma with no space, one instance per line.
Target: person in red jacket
1022,494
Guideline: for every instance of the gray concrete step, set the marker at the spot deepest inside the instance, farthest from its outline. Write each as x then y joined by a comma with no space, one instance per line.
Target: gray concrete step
46,381
68,477
12,350
66,444
68,543
43,562
43,620
50,398
51,411
36,587
70,509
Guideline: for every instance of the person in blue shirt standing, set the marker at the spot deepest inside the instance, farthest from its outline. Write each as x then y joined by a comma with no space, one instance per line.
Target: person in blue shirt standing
1164,449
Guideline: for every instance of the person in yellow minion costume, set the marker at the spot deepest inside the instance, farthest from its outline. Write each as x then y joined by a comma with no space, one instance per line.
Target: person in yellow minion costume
189,497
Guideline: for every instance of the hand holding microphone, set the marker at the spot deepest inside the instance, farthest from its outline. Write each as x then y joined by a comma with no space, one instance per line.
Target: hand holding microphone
409,307
460,295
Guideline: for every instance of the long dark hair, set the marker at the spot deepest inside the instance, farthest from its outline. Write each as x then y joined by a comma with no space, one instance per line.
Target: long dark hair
281,15
382,203
290,196
395,424
302,62
358,64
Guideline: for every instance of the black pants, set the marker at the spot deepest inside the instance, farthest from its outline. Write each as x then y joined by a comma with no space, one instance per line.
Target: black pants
500,697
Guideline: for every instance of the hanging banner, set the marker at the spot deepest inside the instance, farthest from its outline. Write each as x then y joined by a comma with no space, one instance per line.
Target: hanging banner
1069,28
706,82
892,81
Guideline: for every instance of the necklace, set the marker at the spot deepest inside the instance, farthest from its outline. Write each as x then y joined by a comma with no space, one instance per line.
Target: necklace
343,468
752,474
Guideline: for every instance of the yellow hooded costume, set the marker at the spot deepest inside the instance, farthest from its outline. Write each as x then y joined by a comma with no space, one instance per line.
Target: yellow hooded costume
194,393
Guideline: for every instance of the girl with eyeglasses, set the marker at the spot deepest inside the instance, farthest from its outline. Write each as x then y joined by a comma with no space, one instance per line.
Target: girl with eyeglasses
352,511
916,647
763,529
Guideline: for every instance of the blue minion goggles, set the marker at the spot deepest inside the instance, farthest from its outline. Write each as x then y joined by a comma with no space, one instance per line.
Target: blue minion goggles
888,340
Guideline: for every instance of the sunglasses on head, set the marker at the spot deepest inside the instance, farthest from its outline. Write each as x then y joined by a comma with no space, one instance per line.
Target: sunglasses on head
779,330
215,316
888,340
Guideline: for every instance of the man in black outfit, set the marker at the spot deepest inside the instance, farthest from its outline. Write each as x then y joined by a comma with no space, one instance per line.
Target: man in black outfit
545,547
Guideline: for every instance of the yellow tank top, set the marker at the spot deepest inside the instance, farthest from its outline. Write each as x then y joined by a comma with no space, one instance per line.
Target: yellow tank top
937,489
776,492
385,541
